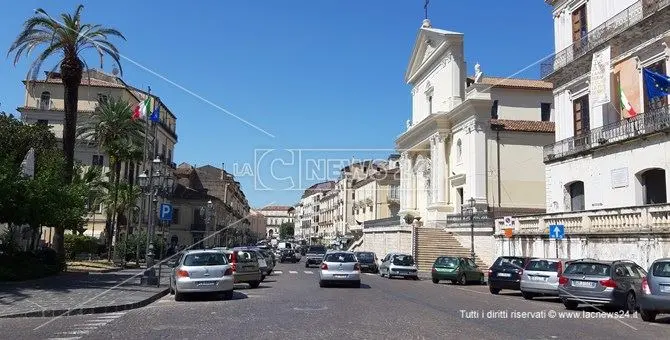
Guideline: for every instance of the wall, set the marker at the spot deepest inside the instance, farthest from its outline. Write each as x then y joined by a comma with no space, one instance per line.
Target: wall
485,246
521,169
521,104
641,248
595,171
387,240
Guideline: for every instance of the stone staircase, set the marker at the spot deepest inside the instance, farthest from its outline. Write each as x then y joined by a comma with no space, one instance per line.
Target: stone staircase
434,242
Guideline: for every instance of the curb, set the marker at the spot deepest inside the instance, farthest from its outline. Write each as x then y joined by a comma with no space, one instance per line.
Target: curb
88,310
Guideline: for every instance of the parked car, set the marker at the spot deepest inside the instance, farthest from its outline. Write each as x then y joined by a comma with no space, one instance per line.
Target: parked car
540,277
613,283
245,266
456,269
368,261
655,291
399,264
340,267
270,258
505,273
315,255
287,255
201,271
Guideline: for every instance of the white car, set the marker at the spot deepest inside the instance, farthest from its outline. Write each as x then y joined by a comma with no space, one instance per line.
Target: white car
340,267
201,271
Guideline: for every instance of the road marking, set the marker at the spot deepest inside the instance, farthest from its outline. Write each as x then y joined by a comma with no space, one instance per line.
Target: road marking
91,324
278,272
292,272
75,332
70,338
370,274
308,272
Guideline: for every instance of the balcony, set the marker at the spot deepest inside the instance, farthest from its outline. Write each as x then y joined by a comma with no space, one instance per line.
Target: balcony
650,218
616,25
654,121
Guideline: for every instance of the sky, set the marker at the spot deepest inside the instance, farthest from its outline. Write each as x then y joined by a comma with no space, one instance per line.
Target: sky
284,92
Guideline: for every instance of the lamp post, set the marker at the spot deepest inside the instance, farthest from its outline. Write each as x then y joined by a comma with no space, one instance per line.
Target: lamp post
472,202
158,182
210,215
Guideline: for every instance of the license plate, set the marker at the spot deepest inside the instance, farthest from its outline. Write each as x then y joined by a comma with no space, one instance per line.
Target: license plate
208,283
538,278
583,284
665,288
505,274
340,275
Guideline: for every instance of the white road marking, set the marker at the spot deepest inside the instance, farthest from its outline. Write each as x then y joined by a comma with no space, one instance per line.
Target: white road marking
70,338
370,274
293,272
75,332
308,272
278,272
91,324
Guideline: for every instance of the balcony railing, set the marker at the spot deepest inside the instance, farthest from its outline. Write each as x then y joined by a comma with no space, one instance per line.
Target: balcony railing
393,195
642,124
625,19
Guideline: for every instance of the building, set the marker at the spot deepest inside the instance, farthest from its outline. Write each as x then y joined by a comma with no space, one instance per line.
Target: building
309,211
258,222
328,213
377,194
275,215
44,104
194,219
606,171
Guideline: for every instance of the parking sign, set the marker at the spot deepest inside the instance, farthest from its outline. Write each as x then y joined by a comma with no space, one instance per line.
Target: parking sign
166,212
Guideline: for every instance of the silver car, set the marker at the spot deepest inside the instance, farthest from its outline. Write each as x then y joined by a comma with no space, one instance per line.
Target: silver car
340,267
201,271
540,277
398,264
655,297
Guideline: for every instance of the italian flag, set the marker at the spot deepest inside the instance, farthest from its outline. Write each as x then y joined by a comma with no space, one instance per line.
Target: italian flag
628,109
141,109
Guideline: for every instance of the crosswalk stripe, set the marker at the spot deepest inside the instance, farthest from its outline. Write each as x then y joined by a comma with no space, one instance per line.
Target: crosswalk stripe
308,272
70,338
278,272
75,332
293,272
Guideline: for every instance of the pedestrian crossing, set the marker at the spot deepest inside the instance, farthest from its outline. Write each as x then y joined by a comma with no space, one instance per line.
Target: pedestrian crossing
89,324
308,272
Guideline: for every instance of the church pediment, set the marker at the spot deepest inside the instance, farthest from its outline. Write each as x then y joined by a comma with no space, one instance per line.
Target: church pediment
429,42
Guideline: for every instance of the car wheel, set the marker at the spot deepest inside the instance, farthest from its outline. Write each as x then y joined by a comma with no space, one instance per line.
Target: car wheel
631,303
306,265
527,295
482,280
322,284
570,305
178,296
494,291
171,289
254,284
647,315
436,281
228,295
462,280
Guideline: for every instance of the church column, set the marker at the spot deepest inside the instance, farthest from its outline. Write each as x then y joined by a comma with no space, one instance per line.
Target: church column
406,181
476,175
434,169
440,168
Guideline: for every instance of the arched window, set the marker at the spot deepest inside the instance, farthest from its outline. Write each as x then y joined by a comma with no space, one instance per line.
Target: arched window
45,101
653,186
576,192
459,151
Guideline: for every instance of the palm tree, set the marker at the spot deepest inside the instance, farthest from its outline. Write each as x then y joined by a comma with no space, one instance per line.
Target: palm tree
65,38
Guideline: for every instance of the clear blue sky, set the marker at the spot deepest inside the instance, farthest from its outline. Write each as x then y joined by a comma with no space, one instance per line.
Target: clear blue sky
314,74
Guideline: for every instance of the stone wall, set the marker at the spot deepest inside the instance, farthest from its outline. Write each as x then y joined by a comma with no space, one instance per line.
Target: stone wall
382,241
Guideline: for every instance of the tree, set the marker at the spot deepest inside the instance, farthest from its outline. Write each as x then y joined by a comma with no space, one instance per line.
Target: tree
286,230
65,38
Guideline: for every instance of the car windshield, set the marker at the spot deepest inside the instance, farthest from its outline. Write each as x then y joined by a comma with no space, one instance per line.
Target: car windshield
447,262
661,269
516,262
205,259
543,266
589,269
340,257
317,249
403,260
365,257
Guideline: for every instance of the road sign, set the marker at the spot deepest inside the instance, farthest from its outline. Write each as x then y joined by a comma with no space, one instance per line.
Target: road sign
557,231
508,221
509,232
166,212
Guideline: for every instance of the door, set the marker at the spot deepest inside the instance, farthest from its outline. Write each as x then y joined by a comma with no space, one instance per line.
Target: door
471,272
577,202
580,111
579,26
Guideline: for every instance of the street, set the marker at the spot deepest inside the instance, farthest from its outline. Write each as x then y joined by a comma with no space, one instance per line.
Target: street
290,304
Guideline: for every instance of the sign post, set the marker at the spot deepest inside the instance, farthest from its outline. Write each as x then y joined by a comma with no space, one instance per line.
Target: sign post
509,232
556,232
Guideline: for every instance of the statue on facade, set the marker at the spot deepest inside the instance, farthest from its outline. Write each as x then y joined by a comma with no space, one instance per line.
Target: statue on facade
409,124
478,73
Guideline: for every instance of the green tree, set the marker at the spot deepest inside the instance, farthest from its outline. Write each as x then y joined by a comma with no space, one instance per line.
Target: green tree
286,230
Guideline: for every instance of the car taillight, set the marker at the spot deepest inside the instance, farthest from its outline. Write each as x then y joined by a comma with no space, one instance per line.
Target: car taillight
324,266
490,272
434,270
562,280
233,266
182,273
520,271
559,268
645,286
609,283
357,267
233,257
228,272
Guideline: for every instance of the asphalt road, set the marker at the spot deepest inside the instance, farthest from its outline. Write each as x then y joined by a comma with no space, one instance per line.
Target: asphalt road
290,304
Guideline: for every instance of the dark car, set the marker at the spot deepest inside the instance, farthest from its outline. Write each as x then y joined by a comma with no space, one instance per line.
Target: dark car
368,261
456,269
655,292
315,255
506,273
287,255
612,283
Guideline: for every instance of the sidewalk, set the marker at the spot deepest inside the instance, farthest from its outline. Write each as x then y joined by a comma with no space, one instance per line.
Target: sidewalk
79,293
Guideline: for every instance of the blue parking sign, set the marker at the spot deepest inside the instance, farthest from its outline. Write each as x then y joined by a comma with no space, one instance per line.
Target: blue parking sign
557,231
166,212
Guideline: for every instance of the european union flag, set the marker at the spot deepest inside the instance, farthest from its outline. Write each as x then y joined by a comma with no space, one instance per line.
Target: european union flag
156,114
657,85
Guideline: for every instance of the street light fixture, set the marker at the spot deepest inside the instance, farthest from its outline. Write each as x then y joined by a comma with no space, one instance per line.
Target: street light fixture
472,202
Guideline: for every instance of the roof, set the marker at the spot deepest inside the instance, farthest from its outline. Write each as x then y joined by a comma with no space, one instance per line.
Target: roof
516,83
85,81
275,208
524,125
318,187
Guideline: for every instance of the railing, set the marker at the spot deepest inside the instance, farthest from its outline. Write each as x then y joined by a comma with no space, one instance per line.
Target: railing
627,219
625,19
479,219
640,125
392,221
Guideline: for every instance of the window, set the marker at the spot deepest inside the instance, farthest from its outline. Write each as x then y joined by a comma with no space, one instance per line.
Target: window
580,111
98,160
175,216
576,192
430,104
42,122
658,102
205,259
579,24
494,109
545,111
102,98
45,100
459,151
588,269
661,269
340,257
653,186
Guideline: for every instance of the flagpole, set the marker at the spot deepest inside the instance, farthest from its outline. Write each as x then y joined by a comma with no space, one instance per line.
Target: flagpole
145,155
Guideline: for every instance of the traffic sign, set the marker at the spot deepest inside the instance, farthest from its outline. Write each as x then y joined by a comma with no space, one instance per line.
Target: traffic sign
557,231
166,212
509,232
508,221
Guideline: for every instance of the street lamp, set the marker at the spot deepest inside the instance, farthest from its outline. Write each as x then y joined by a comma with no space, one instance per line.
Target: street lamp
472,202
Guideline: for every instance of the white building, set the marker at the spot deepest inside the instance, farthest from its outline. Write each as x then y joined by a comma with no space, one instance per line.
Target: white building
606,172
275,216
